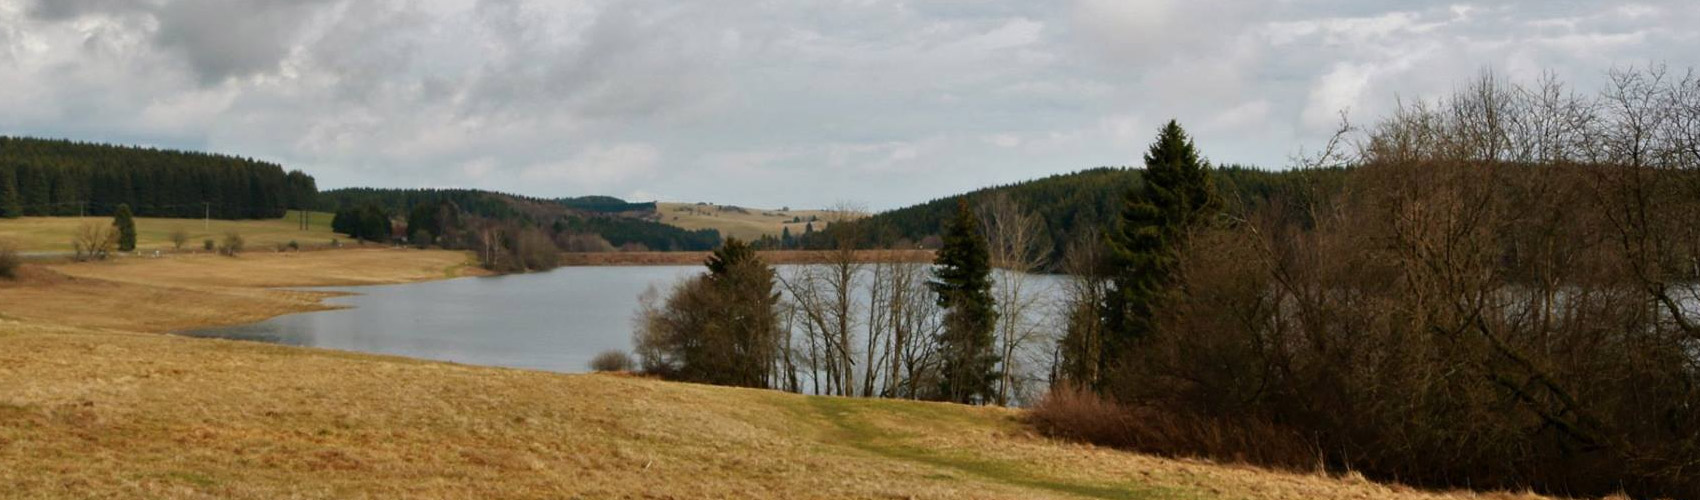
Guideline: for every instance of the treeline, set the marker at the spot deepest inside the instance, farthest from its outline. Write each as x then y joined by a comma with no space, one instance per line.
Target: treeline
606,204
1066,204
559,219
42,177
1500,289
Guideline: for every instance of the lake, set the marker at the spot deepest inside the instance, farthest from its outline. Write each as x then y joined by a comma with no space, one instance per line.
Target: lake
555,321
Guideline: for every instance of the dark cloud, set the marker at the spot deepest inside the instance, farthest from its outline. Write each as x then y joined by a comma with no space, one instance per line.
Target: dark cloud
783,102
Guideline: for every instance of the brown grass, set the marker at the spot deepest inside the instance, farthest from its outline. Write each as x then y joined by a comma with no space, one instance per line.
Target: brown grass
53,234
91,409
748,225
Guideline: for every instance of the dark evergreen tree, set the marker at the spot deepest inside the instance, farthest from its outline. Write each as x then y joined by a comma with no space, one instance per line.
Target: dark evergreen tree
125,223
962,279
1143,247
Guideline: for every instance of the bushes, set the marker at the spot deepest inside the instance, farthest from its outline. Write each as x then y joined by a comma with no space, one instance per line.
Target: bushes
612,361
93,241
1082,415
9,260
1457,310
231,245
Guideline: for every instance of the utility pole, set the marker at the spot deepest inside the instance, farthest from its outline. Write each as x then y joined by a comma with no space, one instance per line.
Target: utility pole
208,220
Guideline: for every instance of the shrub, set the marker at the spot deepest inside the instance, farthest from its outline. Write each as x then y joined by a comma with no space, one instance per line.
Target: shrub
232,244
179,237
208,245
611,361
93,241
9,260
1081,415
294,246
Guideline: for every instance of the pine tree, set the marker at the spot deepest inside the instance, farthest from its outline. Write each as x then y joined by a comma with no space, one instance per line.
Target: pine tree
125,222
962,279
1178,195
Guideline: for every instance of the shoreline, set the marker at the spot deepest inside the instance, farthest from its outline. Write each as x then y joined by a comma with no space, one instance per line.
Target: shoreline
772,257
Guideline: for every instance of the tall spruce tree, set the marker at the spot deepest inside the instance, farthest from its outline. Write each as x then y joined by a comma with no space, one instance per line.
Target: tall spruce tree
125,222
962,279
748,319
1177,196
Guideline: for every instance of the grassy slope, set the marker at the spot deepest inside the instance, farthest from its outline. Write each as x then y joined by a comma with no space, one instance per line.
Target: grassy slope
53,234
89,407
744,226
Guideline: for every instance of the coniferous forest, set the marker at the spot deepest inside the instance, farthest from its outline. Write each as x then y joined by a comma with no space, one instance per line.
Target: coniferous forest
43,177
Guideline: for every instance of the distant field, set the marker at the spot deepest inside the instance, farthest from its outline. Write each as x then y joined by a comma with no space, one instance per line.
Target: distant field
743,223
53,234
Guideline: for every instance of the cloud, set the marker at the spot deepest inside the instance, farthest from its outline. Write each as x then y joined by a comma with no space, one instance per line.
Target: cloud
768,103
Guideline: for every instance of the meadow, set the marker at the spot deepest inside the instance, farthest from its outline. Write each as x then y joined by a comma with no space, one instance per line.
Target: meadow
53,234
748,224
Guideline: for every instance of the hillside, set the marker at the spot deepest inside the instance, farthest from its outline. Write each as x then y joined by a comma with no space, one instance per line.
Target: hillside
623,225
748,224
60,177
105,406
1070,203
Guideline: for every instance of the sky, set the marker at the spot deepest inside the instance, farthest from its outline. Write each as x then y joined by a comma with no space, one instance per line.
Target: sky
771,103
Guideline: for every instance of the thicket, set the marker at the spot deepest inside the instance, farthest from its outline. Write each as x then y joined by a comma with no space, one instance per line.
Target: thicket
41,177
721,327
1500,289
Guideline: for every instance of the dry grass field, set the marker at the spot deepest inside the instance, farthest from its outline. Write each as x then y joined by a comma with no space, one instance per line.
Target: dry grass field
744,223
53,234
95,404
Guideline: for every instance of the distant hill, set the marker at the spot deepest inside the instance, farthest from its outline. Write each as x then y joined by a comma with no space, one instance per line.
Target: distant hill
748,224
607,205
621,223
60,177
1067,203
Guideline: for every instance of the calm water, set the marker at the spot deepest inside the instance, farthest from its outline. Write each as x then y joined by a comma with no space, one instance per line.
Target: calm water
552,321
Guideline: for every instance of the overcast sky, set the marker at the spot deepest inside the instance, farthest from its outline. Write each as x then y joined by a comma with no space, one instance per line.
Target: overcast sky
769,103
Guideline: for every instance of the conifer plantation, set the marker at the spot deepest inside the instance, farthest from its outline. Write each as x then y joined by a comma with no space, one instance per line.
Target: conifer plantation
41,177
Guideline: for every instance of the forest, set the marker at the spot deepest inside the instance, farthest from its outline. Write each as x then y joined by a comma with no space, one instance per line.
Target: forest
1066,204
43,177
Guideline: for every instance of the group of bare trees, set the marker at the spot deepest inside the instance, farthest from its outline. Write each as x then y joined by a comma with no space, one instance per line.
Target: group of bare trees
1495,289
857,326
